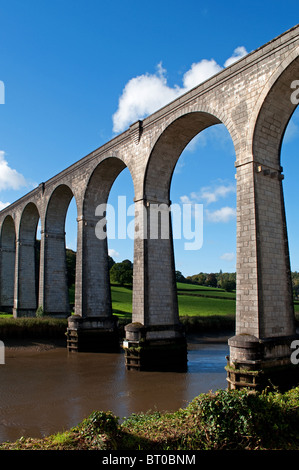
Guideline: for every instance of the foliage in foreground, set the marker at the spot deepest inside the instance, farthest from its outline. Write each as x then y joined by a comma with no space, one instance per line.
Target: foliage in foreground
224,420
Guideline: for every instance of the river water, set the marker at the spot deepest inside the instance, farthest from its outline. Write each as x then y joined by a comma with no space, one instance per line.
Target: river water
42,393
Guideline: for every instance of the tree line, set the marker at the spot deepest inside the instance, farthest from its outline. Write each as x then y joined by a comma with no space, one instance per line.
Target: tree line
122,273
295,284
226,281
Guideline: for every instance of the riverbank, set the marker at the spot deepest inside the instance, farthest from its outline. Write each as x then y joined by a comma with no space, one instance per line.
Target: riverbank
218,420
33,345
234,420
42,344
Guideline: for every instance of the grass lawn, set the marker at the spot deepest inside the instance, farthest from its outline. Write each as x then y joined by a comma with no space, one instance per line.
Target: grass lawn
121,301
191,289
191,305
193,300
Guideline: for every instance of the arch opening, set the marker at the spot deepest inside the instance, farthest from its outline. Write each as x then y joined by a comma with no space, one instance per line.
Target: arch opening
55,279
120,236
99,216
162,184
290,162
28,263
8,259
289,159
274,116
168,149
204,177
93,327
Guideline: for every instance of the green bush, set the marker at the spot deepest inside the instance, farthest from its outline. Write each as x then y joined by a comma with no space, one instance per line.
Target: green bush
39,312
99,422
225,420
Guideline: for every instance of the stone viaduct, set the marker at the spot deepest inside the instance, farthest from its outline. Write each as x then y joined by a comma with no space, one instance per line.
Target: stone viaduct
252,98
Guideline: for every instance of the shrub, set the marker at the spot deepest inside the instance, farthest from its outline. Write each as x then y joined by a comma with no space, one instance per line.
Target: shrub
39,312
99,422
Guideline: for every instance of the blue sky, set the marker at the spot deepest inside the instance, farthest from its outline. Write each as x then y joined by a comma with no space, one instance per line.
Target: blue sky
68,68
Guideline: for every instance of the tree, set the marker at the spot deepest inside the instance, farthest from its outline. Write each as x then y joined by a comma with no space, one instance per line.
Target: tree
200,279
211,280
71,266
179,277
228,285
122,273
111,262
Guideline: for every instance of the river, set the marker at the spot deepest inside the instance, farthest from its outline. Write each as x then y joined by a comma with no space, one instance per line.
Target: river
44,392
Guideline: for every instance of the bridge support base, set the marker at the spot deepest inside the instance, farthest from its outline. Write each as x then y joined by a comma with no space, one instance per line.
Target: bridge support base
161,348
92,334
256,364
32,313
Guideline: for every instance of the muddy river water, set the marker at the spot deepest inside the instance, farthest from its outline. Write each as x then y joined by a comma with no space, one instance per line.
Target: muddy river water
49,391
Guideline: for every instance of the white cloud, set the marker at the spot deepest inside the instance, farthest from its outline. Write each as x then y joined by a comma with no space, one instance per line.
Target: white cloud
239,52
225,214
141,96
3,205
146,93
209,194
185,200
200,72
9,178
217,137
113,253
228,256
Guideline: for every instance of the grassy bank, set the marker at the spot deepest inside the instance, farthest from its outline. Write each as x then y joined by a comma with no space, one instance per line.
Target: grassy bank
192,300
234,420
32,328
201,309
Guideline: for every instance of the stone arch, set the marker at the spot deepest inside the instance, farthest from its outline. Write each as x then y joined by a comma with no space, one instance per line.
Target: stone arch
168,149
56,210
27,272
8,256
262,210
100,183
274,109
159,253
93,297
54,296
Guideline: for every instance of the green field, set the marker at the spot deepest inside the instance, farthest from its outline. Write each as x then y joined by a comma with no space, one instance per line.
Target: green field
193,301
121,301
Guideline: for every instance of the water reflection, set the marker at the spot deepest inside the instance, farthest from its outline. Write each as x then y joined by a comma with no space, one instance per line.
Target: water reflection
42,393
